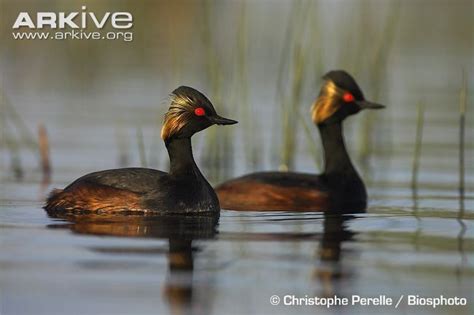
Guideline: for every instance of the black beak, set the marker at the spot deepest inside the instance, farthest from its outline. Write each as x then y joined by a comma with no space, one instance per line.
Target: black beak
369,105
218,120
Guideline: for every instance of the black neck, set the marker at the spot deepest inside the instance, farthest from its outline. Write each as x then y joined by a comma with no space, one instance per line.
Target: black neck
181,157
336,158
347,188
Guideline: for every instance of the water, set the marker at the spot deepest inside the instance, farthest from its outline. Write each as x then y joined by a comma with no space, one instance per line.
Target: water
103,264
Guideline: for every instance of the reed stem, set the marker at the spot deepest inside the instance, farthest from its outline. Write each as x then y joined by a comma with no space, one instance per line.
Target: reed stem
420,120
44,152
141,148
26,135
122,144
311,142
462,127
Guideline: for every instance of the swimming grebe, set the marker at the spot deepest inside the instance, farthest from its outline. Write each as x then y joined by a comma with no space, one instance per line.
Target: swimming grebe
183,190
338,189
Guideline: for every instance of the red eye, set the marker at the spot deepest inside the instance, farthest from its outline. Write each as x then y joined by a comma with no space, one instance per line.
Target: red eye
348,97
199,111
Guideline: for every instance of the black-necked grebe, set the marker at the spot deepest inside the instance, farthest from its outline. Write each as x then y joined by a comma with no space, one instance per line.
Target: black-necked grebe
183,190
339,188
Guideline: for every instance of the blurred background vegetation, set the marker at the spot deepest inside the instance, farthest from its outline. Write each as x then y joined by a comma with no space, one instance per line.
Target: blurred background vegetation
260,62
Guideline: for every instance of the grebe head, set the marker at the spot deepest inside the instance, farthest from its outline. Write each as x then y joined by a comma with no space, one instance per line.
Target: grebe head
189,112
339,98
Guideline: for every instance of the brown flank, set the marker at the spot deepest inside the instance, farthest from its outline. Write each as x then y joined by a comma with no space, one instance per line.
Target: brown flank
257,196
93,197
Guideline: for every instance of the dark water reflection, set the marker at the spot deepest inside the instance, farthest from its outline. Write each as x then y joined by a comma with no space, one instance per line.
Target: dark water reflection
182,231
163,227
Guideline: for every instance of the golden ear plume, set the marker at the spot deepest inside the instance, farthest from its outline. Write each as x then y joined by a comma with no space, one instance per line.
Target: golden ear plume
177,116
327,102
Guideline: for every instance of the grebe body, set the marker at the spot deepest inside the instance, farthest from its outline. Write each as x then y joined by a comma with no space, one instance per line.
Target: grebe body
338,189
183,190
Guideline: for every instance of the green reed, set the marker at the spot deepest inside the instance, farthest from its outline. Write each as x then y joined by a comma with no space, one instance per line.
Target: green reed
141,147
313,148
122,141
294,61
153,156
13,147
290,127
44,154
241,98
462,127
377,65
315,35
218,151
14,135
13,120
418,142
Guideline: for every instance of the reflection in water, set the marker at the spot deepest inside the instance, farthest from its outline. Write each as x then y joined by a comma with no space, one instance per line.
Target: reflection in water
180,232
463,227
335,232
181,265
330,253
179,290
330,269
132,225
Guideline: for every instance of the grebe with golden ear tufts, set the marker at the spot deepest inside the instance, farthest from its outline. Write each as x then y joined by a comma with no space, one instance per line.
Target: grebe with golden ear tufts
338,189
183,190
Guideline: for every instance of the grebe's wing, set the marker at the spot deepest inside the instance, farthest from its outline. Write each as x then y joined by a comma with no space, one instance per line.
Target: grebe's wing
139,180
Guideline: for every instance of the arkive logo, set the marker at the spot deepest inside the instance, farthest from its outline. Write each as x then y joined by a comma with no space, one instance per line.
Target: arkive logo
74,20
77,25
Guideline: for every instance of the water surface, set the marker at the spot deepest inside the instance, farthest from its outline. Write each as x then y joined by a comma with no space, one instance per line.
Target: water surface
106,264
